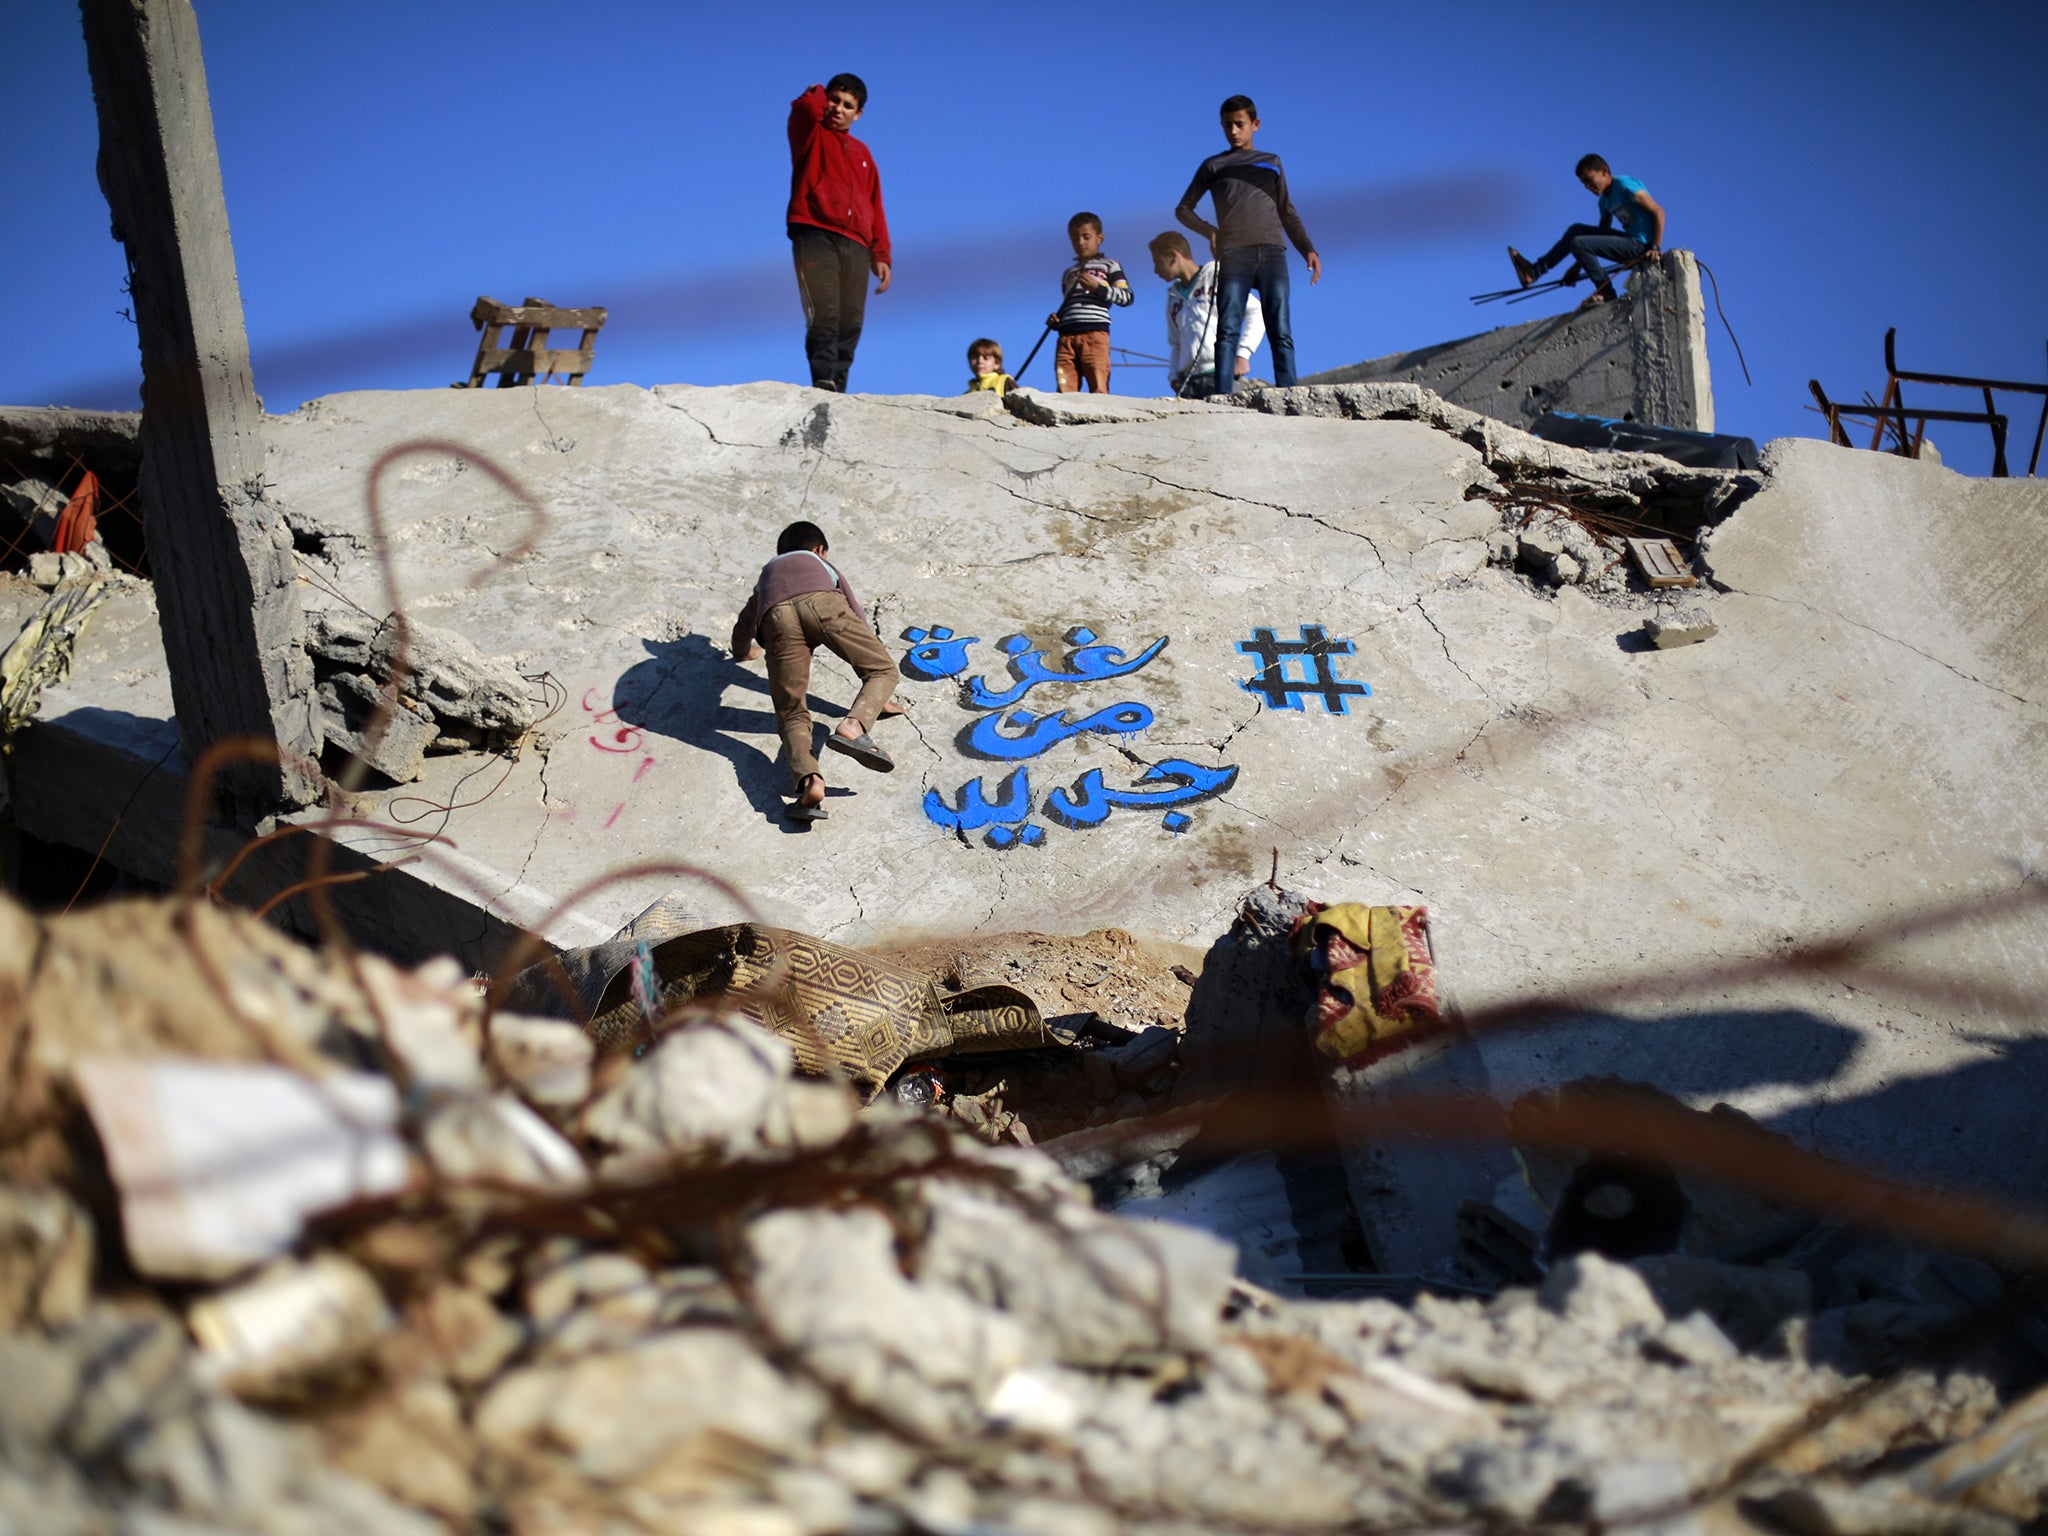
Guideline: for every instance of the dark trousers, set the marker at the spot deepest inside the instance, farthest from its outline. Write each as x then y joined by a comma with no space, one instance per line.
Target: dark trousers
1588,245
832,279
1238,271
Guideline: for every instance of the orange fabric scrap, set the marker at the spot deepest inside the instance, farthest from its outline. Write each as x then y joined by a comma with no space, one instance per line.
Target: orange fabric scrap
79,524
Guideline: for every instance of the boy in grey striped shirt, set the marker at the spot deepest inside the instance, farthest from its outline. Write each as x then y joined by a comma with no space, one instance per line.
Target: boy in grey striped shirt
1088,288
1254,214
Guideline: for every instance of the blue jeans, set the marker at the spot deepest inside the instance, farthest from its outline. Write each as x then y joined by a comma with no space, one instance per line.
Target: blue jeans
1238,271
1588,245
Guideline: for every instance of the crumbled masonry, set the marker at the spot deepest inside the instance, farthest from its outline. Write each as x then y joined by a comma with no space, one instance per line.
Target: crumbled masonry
756,1307
450,697
1170,669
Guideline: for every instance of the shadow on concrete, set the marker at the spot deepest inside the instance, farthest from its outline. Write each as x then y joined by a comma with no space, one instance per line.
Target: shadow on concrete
1968,1123
679,691
1710,1054
1973,1124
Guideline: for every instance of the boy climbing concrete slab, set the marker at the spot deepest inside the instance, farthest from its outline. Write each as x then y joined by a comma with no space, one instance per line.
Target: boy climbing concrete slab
1248,189
1622,199
800,602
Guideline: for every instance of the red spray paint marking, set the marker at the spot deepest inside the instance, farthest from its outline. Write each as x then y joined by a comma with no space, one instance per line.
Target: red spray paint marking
618,742
645,764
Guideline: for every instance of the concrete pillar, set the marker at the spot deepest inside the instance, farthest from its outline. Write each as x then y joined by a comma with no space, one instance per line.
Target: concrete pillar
220,552
1667,319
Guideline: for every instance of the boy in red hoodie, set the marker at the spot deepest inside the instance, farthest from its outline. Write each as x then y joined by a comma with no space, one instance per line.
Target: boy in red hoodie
836,224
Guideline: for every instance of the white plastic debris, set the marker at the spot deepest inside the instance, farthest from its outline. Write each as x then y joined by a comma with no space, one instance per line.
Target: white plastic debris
219,1165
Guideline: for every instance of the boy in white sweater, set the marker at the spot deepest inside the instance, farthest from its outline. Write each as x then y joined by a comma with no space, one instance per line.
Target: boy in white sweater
1191,319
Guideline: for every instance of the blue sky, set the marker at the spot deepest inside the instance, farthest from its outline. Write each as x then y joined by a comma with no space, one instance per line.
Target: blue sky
1841,168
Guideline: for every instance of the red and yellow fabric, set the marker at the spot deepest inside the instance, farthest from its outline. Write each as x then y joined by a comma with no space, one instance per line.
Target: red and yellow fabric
1374,980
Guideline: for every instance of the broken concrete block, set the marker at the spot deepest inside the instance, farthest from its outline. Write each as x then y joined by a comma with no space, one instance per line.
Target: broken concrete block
1172,1281
829,1290
1143,1061
1567,570
471,698
547,1060
499,1141
36,503
711,1089
349,702
46,1257
1685,626
1605,1298
293,1319
1051,409
1501,547
1644,359
219,1165
1694,1339
1748,1303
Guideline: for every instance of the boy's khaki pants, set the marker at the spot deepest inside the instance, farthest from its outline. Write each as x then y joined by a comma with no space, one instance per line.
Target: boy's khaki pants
1082,358
789,633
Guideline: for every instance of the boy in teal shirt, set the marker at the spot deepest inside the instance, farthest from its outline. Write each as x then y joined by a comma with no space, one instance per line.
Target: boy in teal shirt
1623,199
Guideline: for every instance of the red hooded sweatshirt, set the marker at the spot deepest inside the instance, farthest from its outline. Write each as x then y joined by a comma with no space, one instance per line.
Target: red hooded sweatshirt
833,183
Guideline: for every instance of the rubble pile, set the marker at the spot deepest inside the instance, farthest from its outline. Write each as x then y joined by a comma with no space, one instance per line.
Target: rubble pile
1683,495
1558,549
296,1241
449,696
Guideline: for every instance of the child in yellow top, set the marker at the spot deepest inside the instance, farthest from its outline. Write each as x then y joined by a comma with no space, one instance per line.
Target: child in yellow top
985,360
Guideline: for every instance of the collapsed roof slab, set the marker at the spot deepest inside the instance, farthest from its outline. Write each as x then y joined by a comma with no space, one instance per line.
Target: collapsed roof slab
1641,359
1863,739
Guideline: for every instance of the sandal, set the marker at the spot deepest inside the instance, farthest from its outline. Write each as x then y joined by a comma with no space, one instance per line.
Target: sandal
1525,269
798,810
862,750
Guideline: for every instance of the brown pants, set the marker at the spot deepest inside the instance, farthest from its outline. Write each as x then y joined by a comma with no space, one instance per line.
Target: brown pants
1082,359
789,633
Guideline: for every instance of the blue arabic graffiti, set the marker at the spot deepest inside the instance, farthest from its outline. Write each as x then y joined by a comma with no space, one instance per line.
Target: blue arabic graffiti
1086,803
1012,803
1088,663
1090,801
987,738
935,653
1004,734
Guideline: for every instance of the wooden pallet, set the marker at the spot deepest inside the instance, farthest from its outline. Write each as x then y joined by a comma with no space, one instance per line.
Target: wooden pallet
528,357
1661,563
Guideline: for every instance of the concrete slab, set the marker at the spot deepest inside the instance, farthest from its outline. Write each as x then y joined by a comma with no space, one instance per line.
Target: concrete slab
1863,739
1643,359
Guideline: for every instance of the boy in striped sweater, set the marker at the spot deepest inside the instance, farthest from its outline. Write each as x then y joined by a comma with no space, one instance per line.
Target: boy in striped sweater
1089,288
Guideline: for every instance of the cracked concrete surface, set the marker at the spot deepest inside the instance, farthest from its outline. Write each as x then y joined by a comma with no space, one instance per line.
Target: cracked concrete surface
1863,739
